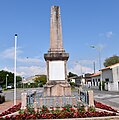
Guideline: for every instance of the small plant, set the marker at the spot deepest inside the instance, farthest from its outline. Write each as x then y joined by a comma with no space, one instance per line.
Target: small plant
67,107
44,109
30,109
80,107
91,109
21,111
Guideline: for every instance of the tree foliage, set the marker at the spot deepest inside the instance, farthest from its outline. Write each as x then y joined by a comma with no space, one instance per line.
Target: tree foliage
71,74
41,79
10,77
111,60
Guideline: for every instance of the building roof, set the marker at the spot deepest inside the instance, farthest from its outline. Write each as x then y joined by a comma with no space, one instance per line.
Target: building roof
110,67
96,74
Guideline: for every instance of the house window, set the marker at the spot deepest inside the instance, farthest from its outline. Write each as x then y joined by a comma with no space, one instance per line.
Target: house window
93,82
97,82
106,79
117,70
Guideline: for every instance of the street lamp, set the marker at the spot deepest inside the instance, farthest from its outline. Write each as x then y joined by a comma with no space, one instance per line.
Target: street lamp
23,82
99,53
6,80
15,48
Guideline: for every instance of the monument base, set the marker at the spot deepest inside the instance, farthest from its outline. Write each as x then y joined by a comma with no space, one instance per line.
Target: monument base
54,88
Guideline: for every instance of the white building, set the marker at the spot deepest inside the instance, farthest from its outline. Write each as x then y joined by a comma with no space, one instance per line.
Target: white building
95,80
110,75
28,80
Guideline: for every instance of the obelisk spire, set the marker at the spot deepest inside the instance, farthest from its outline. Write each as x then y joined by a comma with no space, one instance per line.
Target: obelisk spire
55,31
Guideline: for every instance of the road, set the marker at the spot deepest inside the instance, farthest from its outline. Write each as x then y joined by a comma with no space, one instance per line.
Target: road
9,94
106,97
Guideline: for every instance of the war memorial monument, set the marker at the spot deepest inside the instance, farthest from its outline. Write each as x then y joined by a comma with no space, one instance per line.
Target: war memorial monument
56,59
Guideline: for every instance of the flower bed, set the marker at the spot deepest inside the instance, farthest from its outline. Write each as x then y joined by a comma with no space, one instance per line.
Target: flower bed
56,113
60,115
11,110
102,106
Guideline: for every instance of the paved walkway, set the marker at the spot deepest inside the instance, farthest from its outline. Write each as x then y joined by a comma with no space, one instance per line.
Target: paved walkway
6,105
109,98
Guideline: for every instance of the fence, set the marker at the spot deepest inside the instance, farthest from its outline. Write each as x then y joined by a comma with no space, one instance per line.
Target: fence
84,97
37,99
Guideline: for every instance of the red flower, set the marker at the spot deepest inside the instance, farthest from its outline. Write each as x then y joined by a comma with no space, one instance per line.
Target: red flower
102,106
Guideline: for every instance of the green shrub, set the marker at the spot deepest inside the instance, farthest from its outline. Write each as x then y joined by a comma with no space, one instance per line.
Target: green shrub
91,109
103,85
2,99
80,107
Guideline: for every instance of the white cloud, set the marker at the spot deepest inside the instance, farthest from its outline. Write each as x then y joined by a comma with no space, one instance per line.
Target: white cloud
109,34
106,34
29,60
7,69
84,62
9,53
80,67
31,71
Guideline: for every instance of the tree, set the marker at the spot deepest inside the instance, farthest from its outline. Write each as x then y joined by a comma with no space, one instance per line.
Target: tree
10,77
111,60
71,74
41,79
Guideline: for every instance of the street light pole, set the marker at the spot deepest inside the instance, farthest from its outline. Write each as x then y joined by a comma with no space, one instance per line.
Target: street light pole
23,82
15,69
99,53
6,80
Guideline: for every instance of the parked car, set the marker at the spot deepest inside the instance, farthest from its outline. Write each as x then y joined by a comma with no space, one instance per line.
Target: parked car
9,87
0,89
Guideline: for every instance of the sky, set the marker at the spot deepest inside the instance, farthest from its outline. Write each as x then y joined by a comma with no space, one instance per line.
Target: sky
84,23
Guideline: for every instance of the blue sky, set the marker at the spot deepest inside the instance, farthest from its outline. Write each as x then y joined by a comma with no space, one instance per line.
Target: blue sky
84,23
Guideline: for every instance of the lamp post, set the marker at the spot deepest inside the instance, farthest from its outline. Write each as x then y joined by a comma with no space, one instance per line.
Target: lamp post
15,47
23,82
99,54
6,80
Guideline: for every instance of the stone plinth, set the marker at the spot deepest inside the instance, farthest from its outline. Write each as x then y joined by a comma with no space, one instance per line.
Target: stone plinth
58,89
56,56
24,100
91,98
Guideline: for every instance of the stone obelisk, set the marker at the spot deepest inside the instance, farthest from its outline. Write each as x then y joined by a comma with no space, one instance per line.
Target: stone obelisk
56,59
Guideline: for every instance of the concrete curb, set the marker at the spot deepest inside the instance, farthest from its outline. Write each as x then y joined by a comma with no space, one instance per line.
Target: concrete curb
93,118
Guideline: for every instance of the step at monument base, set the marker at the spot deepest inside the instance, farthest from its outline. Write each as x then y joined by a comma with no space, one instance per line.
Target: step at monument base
58,89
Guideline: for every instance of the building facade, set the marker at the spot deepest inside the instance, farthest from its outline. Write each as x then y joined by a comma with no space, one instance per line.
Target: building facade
110,75
95,80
